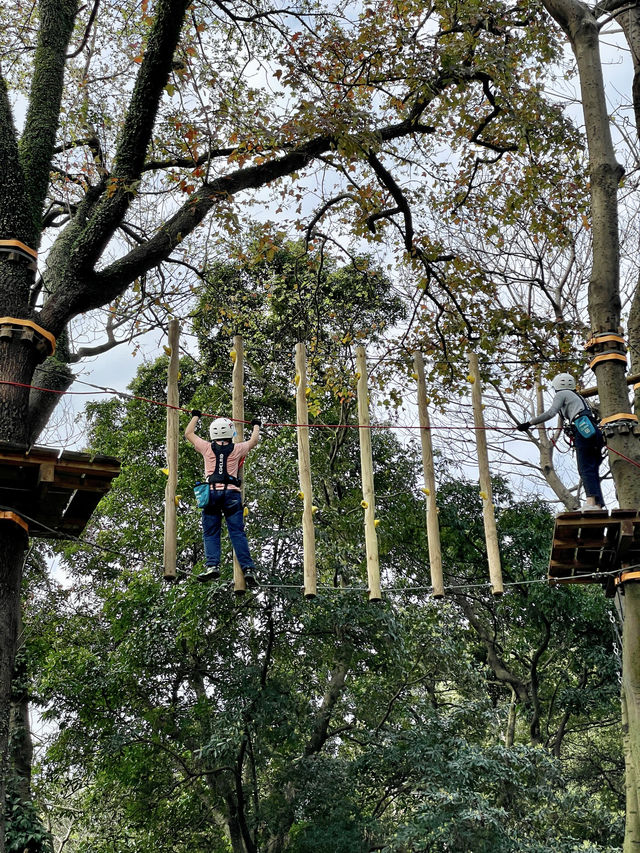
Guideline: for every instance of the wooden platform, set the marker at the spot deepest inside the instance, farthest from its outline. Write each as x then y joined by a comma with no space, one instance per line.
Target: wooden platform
58,490
590,547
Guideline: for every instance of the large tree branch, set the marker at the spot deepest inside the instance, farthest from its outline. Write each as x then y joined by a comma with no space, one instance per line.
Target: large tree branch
93,291
498,666
332,694
14,217
136,134
188,162
37,144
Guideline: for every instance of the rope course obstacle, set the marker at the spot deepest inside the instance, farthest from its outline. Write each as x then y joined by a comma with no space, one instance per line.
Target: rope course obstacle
52,494
49,494
596,547
173,426
368,502
237,413
428,470
304,473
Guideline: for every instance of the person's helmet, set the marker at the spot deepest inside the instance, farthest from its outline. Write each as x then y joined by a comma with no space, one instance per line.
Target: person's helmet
564,382
221,428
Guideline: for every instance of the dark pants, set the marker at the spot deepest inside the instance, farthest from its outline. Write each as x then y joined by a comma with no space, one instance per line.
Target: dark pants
589,458
225,502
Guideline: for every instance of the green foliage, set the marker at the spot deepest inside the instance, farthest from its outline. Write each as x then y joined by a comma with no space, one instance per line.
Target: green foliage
173,702
24,831
192,718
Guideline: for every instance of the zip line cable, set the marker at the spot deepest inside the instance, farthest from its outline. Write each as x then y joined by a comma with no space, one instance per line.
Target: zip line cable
326,587
67,536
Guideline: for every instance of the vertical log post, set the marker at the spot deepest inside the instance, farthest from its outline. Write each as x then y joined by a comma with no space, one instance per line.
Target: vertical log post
433,528
237,413
304,470
490,531
366,466
170,508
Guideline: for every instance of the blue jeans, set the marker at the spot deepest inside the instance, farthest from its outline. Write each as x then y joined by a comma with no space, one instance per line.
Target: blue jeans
589,458
225,502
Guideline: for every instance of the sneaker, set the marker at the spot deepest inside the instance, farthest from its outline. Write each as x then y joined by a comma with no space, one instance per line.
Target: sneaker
211,573
591,508
250,577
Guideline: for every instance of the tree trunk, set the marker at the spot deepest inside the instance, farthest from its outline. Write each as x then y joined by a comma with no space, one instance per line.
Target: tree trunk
278,841
581,27
17,364
12,547
631,713
510,734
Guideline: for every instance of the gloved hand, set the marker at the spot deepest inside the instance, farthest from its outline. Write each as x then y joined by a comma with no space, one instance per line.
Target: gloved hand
523,427
196,413
256,422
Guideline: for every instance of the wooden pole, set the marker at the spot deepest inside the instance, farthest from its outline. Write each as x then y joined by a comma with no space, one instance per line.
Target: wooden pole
304,470
366,466
490,531
237,413
592,391
433,528
170,508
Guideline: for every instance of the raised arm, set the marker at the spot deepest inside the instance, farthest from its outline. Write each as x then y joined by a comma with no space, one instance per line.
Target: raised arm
190,430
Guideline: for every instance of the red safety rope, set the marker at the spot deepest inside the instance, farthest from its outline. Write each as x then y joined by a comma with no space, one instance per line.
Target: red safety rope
102,390
626,458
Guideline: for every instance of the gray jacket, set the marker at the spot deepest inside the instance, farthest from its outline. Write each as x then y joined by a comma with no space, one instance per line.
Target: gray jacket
568,404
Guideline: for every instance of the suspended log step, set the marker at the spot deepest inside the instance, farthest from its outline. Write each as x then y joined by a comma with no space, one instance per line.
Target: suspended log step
591,546
55,492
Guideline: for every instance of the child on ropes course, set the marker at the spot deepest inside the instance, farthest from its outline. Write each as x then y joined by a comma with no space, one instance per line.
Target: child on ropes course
586,435
223,462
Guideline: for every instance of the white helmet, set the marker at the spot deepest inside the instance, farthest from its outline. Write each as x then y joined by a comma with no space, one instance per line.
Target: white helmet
221,428
564,382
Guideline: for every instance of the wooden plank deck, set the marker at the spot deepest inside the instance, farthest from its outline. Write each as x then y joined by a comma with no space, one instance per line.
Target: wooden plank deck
55,492
589,546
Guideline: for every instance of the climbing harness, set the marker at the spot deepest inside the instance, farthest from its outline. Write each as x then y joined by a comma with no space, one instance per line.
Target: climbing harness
220,473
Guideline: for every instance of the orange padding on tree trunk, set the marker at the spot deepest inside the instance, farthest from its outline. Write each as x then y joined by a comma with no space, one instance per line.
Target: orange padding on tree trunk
608,356
51,338
628,576
16,244
602,339
11,516
621,416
